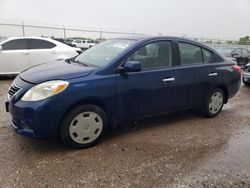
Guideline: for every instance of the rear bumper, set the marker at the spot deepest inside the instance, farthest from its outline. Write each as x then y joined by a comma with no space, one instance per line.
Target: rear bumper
234,86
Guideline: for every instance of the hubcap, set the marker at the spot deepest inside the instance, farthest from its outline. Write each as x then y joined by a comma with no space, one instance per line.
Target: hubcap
86,127
216,102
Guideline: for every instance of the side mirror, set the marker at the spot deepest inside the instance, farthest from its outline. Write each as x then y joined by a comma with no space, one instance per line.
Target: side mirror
131,66
235,55
1,48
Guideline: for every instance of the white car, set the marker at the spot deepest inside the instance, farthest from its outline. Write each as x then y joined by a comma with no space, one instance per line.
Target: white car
20,53
84,44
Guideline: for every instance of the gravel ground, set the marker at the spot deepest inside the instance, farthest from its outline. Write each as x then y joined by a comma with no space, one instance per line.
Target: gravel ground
177,150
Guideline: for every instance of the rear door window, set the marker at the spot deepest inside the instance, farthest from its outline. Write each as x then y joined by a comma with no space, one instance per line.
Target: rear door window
40,44
190,54
17,44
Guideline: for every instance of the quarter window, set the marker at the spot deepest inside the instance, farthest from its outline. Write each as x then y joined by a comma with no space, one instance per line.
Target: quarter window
190,54
41,44
154,55
18,44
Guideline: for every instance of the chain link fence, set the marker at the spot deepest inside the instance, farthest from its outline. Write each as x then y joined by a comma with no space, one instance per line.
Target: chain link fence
57,32
22,29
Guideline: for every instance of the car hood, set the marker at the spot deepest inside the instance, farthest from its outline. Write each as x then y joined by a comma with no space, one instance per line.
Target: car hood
57,70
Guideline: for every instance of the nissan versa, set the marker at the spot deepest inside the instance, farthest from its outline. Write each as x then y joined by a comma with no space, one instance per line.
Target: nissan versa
120,79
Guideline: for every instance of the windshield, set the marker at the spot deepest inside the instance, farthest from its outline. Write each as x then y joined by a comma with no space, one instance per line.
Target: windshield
2,39
104,53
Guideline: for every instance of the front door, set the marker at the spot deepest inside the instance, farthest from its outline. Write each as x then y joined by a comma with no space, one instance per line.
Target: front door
14,57
152,90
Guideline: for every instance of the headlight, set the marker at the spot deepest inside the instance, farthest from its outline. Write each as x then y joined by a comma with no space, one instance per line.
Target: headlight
45,90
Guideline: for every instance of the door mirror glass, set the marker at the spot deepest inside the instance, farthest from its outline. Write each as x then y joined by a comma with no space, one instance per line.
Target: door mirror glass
132,66
1,48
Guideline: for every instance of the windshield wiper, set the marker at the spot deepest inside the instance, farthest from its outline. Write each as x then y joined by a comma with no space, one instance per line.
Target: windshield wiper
80,63
72,60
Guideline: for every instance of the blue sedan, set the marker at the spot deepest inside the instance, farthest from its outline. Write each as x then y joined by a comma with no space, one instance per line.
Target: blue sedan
117,80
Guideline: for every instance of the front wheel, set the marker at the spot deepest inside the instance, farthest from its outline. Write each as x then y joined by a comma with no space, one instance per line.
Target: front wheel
214,103
83,126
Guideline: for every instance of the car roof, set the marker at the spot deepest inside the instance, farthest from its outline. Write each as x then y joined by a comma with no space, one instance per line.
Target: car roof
149,38
41,38
45,38
58,43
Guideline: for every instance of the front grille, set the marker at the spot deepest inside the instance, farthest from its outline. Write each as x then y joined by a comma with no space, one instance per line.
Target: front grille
13,90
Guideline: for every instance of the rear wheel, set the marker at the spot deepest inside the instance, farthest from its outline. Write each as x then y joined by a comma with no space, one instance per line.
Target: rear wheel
83,126
214,103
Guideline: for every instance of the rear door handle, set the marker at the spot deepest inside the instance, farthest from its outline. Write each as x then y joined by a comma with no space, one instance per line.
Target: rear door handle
213,74
168,79
25,53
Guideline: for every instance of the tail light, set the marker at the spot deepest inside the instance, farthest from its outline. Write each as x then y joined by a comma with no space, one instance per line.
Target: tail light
236,68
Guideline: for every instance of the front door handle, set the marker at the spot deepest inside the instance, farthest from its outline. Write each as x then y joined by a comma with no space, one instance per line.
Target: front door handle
25,53
168,79
213,74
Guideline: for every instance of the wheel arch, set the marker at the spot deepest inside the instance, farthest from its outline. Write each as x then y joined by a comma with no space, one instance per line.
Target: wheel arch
88,101
225,90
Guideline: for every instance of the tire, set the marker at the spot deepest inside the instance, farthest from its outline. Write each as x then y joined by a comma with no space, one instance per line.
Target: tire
246,83
83,126
214,103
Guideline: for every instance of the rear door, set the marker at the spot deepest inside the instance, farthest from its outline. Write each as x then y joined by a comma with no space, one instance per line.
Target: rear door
196,75
41,51
152,90
14,57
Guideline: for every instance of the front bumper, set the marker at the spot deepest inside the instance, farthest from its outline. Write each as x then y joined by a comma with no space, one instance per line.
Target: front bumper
35,119
40,119
246,76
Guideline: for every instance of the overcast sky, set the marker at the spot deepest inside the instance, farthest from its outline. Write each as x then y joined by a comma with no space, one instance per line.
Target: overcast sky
224,19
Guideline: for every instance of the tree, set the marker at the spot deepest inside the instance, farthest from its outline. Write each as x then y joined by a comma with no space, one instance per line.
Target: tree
230,42
218,42
244,40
